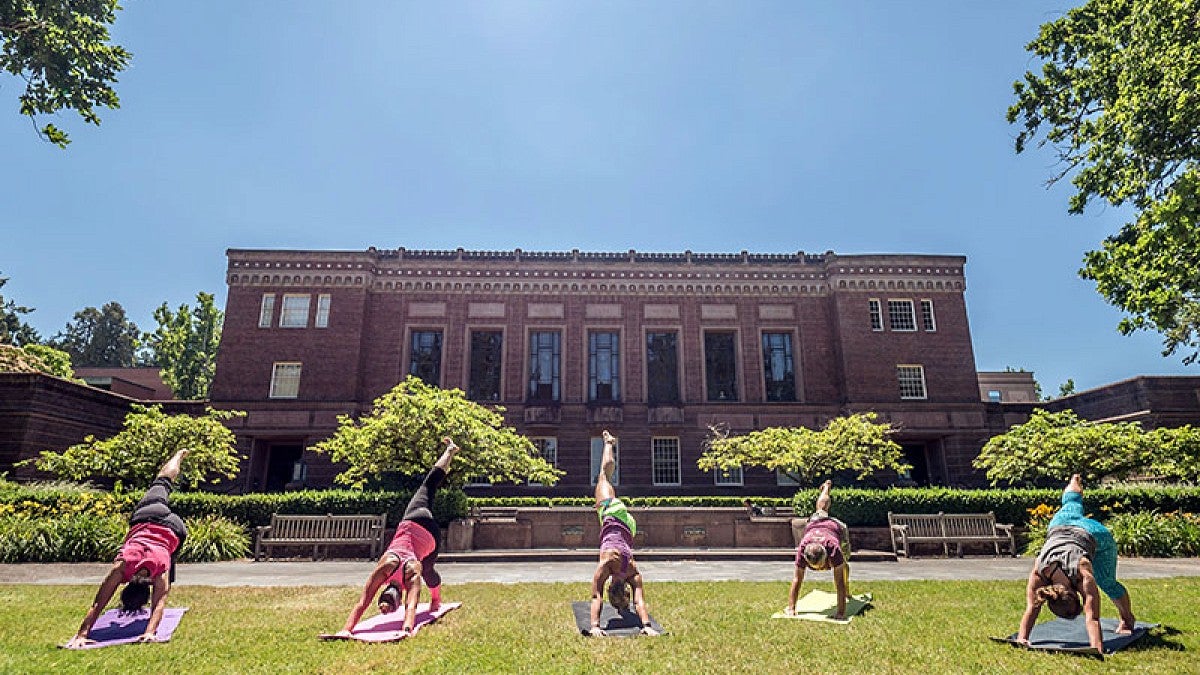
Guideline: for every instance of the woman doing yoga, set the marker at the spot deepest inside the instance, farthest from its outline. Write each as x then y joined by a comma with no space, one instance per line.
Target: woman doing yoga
824,544
617,528
410,557
1078,559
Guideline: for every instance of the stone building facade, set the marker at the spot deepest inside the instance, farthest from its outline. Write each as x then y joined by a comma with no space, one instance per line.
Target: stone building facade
657,348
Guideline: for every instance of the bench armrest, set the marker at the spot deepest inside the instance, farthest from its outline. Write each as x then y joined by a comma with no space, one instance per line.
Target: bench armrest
900,528
1002,527
262,529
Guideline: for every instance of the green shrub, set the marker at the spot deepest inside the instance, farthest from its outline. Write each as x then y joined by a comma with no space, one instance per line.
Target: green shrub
255,509
522,502
75,538
861,507
1157,535
213,538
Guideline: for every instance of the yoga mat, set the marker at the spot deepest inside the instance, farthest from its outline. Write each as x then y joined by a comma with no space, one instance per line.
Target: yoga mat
616,624
1070,635
822,605
112,628
389,627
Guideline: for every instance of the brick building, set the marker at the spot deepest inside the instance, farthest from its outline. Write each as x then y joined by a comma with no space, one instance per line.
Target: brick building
654,347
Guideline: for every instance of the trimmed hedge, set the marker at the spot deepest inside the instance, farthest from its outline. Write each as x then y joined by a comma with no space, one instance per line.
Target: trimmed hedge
523,502
249,510
870,507
98,538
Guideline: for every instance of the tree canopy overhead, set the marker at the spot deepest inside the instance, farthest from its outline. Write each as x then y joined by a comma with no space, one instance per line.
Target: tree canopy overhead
1118,98
61,49
402,433
851,443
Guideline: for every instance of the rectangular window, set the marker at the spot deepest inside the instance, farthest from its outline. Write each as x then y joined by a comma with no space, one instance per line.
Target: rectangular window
322,320
786,478
994,395
728,477
876,314
664,460
927,320
425,356
547,448
545,364
295,311
266,313
912,381
604,359
478,480
483,382
597,453
777,366
720,369
285,380
662,368
900,314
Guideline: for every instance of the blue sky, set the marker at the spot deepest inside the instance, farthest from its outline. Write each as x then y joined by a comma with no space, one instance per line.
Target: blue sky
657,126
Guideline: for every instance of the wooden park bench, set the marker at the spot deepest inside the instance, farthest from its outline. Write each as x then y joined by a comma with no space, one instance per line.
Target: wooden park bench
946,529
318,531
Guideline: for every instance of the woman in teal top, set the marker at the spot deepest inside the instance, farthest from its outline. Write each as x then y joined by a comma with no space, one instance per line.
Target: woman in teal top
1078,559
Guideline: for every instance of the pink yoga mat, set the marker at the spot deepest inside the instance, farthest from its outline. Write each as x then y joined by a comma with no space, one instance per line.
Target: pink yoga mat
389,627
113,628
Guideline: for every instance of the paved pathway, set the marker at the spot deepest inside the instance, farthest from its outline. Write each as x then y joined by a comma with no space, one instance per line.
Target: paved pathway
353,573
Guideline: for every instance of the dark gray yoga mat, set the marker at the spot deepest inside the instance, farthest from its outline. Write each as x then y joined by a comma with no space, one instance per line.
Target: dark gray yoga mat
616,624
1070,635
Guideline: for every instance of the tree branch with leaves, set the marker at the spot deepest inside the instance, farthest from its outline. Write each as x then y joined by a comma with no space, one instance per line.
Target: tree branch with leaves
402,433
851,443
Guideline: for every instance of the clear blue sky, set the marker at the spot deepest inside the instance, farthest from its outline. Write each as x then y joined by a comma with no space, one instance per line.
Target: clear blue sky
658,126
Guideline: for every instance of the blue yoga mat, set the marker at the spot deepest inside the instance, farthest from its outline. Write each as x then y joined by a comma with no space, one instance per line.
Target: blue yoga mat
1070,635
614,623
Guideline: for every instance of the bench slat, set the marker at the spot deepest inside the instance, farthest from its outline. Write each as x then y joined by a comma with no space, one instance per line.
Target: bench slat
318,530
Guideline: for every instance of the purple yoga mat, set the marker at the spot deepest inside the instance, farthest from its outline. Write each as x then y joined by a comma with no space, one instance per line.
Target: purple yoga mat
389,627
113,628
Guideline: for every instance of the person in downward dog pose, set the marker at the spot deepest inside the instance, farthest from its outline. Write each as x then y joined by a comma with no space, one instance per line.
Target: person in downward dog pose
1078,559
146,561
410,557
824,544
617,528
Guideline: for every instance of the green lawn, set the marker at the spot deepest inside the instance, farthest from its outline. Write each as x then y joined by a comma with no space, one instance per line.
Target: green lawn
919,626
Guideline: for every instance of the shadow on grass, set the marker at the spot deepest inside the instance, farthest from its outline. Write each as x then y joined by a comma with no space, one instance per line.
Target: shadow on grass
1159,638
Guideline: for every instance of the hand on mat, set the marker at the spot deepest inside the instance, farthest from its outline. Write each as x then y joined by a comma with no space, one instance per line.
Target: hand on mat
839,616
649,630
147,637
1124,629
789,611
597,631
343,634
79,641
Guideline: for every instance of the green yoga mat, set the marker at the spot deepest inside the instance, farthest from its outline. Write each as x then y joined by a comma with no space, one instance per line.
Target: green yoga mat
822,605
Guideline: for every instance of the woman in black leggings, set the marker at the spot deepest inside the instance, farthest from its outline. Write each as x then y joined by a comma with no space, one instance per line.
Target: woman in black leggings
146,562
411,556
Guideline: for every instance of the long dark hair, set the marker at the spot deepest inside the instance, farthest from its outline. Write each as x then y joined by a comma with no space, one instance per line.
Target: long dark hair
134,596
1062,600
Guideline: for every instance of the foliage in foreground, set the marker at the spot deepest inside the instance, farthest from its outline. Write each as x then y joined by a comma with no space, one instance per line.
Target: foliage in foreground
34,358
91,537
852,443
148,439
1117,99
714,627
1148,534
403,434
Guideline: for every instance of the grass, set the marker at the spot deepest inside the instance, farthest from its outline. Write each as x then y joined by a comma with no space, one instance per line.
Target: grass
720,627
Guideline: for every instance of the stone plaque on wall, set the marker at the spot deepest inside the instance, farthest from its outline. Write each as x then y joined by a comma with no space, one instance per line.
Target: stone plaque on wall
776,312
602,311
661,311
485,310
718,311
545,310
427,309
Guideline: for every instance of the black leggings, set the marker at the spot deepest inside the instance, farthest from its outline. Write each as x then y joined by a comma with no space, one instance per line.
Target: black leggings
154,507
419,511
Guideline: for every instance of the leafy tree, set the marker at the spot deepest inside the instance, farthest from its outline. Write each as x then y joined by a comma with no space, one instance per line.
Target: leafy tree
1053,446
1177,453
403,433
1066,388
1118,98
185,346
100,337
13,330
148,439
851,443
61,49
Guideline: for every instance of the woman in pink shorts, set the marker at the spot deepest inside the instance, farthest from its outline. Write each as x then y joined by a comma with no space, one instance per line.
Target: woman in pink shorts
825,544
